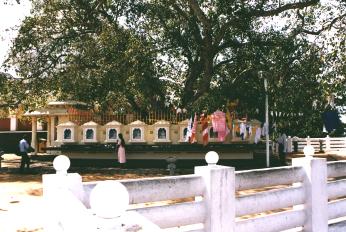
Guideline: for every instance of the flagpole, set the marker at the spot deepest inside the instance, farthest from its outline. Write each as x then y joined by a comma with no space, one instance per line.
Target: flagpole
266,117
267,122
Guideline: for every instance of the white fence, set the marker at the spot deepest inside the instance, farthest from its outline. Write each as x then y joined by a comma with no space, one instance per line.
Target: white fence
307,196
319,144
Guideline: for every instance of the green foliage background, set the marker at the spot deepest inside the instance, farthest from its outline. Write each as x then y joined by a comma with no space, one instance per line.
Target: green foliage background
136,55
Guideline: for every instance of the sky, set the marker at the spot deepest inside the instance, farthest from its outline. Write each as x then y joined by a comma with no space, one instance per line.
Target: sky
11,15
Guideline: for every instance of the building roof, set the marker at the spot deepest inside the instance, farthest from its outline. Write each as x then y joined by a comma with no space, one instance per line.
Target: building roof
113,123
46,111
67,124
66,103
162,122
138,122
90,123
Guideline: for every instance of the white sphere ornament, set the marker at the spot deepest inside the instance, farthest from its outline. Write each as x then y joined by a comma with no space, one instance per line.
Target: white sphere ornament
61,164
309,151
109,199
212,158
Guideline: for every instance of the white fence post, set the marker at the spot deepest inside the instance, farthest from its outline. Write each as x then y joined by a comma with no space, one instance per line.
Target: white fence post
308,140
315,185
64,197
289,144
327,143
219,197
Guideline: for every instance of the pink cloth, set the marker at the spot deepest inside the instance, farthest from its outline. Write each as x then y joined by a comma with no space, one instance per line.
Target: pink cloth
218,120
121,154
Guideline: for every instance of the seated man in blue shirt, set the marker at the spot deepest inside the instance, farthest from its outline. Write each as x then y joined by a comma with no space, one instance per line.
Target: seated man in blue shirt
23,150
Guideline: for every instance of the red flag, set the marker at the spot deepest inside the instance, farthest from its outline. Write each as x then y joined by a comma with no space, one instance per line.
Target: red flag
205,131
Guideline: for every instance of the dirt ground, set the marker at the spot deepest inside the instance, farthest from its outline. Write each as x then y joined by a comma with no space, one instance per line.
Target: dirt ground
21,207
21,204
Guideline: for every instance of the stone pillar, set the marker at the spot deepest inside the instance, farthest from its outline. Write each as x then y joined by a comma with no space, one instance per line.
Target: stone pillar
52,130
219,197
308,141
316,196
49,130
13,123
34,134
327,143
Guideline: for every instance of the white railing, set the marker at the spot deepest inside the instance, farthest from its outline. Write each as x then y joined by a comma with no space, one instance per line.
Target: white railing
319,144
309,196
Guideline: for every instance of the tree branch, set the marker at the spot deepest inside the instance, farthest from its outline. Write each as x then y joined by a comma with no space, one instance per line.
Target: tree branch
288,6
230,43
325,27
196,31
221,33
200,15
180,40
226,61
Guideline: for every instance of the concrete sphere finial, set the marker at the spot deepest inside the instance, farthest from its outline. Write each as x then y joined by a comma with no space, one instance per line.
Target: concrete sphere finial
109,199
211,158
61,164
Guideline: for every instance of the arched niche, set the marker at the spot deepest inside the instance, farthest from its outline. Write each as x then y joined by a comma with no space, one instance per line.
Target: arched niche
90,132
162,132
138,130
67,132
113,129
183,130
213,135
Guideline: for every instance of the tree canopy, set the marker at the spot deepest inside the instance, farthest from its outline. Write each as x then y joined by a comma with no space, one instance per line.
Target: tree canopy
196,54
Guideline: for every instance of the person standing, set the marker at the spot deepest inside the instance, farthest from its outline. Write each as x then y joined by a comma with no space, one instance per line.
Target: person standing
121,150
258,135
242,131
282,148
23,150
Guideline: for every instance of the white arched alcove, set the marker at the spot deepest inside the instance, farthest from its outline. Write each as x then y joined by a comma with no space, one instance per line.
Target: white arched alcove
113,129
67,132
162,132
137,132
90,132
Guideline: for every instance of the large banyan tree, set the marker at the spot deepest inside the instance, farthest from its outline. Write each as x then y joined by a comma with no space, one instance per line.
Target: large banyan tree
198,54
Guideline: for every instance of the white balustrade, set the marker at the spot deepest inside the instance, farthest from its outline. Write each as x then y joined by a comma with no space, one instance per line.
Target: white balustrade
336,168
337,209
214,199
326,144
253,179
176,214
273,222
336,189
263,201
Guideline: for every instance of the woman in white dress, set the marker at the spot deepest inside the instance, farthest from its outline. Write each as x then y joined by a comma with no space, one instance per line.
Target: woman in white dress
121,150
